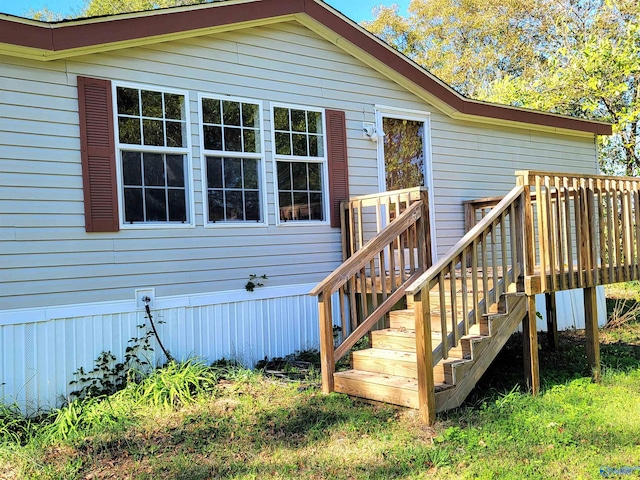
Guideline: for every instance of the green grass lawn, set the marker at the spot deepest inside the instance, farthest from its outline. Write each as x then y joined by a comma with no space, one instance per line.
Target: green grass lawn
192,422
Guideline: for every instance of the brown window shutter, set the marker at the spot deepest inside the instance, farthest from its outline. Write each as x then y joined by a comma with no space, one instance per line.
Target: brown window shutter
98,155
337,162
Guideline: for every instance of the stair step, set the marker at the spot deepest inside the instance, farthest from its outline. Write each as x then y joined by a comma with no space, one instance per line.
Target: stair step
405,319
379,387
394,339
444,371
389,362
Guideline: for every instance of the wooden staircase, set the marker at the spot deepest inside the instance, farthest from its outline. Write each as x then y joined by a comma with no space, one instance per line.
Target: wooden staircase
551,232
387,372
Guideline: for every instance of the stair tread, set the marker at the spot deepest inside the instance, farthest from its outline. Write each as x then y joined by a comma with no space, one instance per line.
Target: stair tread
387,354
454,361
384,379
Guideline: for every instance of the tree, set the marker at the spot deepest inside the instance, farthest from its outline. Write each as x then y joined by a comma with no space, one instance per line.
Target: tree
95,8
576,57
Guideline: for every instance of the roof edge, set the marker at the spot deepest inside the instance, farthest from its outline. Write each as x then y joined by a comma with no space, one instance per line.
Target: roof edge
56,40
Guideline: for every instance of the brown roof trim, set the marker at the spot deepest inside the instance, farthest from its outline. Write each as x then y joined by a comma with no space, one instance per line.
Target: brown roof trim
82,33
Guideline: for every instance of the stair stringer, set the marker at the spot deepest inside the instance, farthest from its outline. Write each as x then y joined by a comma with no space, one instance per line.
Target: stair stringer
516,309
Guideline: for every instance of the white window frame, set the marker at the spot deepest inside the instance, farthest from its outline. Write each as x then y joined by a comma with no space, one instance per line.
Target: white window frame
323,161
186,151
418,116
262,183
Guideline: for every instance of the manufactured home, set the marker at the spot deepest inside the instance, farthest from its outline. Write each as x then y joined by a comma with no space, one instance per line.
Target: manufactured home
168,157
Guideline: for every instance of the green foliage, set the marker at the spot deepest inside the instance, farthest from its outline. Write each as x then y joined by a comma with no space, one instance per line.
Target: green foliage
254,282
403,153
175,385
14,427
258,427
108,375
95,8
576,58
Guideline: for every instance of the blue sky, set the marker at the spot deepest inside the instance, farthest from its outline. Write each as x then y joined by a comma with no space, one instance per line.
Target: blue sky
357,10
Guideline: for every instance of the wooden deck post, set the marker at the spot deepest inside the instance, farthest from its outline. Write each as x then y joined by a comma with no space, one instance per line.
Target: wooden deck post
529,323
426,387
552,319
327,361
530,346
591,331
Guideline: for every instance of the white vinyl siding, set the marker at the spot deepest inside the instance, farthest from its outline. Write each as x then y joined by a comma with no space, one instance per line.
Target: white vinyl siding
47,258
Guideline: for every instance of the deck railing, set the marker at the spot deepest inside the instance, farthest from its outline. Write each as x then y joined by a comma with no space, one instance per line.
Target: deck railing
369,283
365,216
585,230
490,257
552,232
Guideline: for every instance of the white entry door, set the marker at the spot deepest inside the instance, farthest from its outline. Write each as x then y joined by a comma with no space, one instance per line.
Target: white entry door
404,154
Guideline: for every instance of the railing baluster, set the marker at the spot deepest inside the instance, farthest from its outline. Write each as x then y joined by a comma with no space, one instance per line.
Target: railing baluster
401,261
392,264
627,230
636,204
363,294
494,262
602,268
463,288
578,219
513,239
610,220
503,256
378,215
411,248
383,275
454,303
616,234
548,209
353,307
360,223
344,324
485,273
474,280
443,315
568,237
559,233
592,231
374,289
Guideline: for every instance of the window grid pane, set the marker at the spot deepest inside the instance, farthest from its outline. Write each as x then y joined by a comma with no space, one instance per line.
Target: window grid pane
231,126
302,198
143,115
233,189
298,132
233,183
154,188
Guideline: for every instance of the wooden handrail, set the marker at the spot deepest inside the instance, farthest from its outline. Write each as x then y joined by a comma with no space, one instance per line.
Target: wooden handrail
363,257
463,284
369,283
366,215
466,240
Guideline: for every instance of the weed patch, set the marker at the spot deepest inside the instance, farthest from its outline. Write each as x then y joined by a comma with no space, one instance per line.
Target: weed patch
193,421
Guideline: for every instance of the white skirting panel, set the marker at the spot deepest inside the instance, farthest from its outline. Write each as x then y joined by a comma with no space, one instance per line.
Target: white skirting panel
37,359
570,309
40,349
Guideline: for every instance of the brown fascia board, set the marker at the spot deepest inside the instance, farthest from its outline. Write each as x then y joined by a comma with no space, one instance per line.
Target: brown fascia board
77,34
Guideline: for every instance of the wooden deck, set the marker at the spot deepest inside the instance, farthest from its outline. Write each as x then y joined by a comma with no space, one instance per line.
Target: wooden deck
552,232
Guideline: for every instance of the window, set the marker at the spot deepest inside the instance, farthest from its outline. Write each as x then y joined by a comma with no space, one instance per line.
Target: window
300,163
232,140
153,154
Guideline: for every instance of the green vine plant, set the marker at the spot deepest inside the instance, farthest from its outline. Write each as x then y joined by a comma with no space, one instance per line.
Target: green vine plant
108,375
254,282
